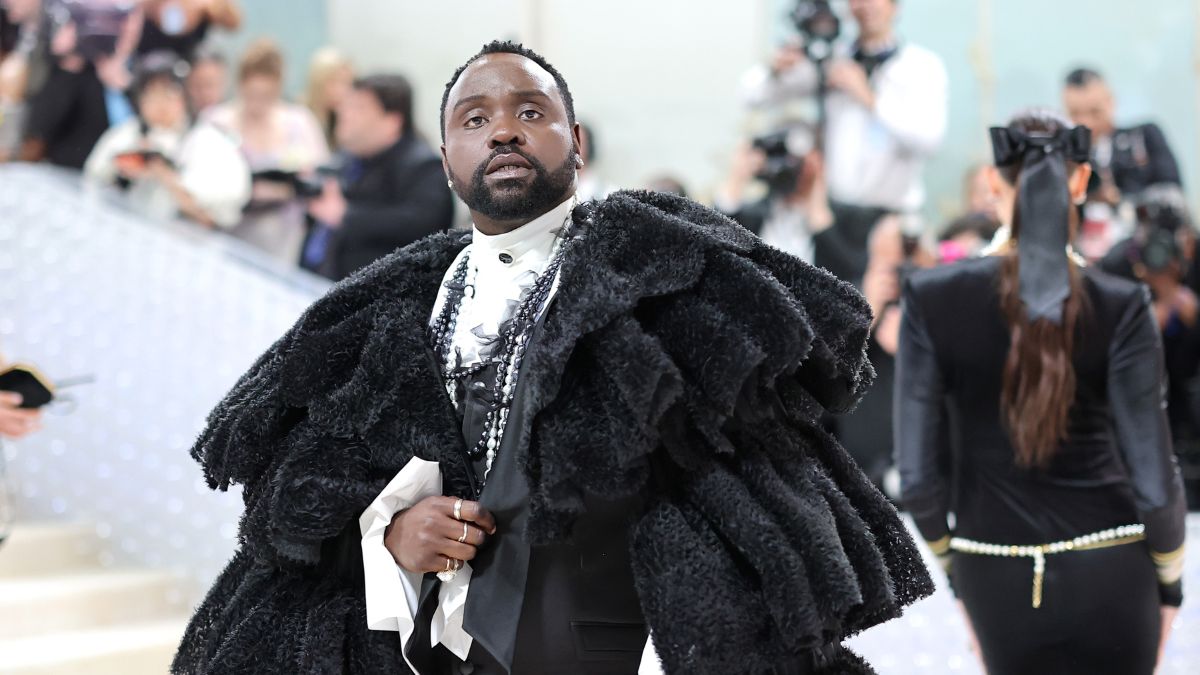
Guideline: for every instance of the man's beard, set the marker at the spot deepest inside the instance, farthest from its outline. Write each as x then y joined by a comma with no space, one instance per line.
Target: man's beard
548,189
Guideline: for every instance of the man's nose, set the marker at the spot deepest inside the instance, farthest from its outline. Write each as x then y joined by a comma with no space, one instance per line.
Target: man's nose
506,133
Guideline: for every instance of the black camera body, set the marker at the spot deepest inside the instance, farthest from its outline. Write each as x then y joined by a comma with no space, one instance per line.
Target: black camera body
781,172
98,27
820,26
1156,243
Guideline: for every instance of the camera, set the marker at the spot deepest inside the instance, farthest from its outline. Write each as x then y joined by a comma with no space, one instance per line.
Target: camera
785,153
1161,215
98,25
820,26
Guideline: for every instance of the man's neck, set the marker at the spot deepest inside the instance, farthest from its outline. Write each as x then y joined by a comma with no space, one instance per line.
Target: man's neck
876,42
494,226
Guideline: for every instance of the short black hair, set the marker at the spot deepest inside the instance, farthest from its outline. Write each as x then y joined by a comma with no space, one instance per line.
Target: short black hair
394,93
159,66
510,47
1082,77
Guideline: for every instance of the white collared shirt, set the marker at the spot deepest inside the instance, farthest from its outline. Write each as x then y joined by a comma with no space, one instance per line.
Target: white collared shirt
873,157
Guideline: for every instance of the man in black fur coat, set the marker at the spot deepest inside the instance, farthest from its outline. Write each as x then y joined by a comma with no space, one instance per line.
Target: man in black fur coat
655,487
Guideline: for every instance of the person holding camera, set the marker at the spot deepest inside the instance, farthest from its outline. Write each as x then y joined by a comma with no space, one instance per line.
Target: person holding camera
89,43
1127,161
883,102
168,164
795,208
391,189
1161,253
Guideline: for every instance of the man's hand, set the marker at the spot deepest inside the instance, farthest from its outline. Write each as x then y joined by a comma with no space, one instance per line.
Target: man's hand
423,537
330,207
847,76
789,56
17,422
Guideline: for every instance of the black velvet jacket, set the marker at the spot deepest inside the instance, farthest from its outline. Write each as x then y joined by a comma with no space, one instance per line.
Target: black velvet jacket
683,360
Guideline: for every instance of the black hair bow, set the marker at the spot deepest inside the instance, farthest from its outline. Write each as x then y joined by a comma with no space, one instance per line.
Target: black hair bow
1043,212
1010,146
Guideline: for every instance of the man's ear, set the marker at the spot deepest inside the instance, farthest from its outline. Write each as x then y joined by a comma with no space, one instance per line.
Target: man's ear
1078,183
577,136
446,164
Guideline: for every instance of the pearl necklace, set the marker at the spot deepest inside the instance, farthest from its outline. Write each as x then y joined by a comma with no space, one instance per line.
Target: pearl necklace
514,335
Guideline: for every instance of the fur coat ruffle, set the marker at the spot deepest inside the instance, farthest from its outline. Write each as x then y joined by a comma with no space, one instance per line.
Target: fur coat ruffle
683,359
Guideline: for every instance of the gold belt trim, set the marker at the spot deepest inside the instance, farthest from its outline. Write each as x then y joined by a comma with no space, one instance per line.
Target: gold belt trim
1117,536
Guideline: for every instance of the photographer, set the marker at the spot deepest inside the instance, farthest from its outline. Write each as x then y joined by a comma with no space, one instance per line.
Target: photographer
169,165
1126,161
89,44
795,207
1162,254
884,111
391,189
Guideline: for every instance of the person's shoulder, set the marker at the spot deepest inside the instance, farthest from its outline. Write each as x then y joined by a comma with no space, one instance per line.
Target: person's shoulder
206,133
416,152
919,56
671,217
1114,291
967,274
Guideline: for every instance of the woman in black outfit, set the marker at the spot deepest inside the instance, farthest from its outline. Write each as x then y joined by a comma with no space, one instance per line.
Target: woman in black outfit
1029,399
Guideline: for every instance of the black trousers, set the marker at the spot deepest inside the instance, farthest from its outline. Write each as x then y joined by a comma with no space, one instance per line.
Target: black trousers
1099,613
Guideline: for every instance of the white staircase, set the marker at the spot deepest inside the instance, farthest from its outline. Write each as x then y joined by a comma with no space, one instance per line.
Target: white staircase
63,613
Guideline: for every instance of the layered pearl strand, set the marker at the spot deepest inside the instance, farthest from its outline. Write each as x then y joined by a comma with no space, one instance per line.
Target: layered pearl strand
514,335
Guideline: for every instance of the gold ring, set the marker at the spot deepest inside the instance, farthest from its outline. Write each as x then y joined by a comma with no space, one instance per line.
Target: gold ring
458,509
463,538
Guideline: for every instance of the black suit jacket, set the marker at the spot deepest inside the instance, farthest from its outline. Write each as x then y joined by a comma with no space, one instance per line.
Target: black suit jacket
1115,467
1141,157
394,199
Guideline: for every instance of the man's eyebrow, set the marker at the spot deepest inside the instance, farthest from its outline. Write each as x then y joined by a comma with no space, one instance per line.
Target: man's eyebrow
468,100
530,93
523,94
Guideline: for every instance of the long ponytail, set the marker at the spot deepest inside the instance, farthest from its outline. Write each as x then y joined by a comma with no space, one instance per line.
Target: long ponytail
1039,372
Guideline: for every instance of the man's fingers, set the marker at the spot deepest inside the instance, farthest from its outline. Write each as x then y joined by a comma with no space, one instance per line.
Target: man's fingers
454,529
10,399
476,513
457,551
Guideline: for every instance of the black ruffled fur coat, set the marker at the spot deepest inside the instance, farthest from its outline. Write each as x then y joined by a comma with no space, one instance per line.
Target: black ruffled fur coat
683,359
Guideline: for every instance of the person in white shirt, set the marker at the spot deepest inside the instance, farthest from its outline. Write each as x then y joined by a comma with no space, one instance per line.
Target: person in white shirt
885,109
169,165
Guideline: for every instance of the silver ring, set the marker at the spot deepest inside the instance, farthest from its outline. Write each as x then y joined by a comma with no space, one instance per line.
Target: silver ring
463,539
458,509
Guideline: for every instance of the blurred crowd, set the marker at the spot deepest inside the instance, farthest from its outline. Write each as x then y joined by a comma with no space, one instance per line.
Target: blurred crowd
136,96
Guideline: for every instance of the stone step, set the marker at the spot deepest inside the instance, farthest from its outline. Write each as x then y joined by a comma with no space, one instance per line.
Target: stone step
144,648
39,549
38,605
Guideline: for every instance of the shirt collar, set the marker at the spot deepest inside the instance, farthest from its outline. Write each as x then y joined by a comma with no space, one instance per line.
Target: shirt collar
530,243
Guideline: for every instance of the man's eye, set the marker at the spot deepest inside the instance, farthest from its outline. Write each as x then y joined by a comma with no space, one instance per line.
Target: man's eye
474,122
530,114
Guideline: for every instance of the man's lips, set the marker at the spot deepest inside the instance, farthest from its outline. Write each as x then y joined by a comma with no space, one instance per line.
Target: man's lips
508,165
